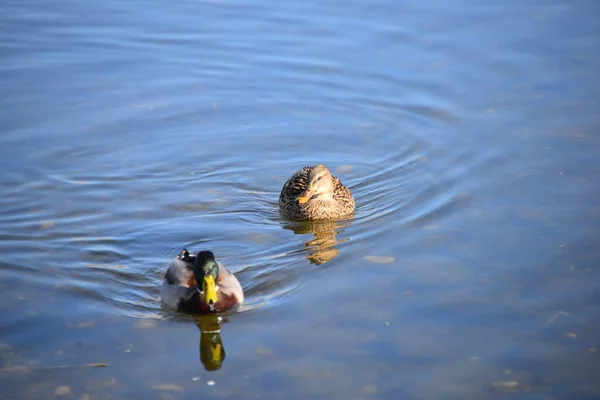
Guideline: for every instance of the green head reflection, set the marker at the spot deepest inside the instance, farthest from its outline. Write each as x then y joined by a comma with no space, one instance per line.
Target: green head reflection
212,352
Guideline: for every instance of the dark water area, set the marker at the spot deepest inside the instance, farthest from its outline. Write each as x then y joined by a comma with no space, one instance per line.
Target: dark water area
467,132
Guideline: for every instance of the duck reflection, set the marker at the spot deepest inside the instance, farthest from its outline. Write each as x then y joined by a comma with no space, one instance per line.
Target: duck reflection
212,352
324,239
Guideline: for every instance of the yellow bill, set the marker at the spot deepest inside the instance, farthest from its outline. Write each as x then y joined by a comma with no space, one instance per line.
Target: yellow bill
209,287
306,195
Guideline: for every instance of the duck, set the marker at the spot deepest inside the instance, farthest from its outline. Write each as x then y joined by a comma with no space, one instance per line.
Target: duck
313,193
199,284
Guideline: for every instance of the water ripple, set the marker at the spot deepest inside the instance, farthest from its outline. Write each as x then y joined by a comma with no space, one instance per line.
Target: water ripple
196,156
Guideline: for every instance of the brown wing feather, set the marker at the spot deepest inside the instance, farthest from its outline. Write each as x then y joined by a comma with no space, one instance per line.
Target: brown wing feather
294,186
342,194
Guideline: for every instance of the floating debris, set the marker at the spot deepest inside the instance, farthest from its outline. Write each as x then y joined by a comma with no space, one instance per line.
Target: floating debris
379,259
264,351
46,225
62,391
16,368
145,324
24,369
82,325
168,387
196,378
506,384
210,383
571,335
556,316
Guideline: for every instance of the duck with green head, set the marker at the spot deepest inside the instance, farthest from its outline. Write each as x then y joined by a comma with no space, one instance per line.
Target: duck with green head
313,193
200,284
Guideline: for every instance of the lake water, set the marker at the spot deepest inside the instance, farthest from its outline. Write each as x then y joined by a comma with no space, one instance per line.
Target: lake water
467,131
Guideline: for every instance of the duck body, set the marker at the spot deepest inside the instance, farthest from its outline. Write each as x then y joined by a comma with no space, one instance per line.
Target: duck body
199,284
313,193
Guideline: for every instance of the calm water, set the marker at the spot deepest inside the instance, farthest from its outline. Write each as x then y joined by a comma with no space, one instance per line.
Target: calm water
466,131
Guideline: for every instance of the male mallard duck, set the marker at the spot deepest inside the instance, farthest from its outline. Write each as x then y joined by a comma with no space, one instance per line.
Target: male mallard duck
219,289
312,193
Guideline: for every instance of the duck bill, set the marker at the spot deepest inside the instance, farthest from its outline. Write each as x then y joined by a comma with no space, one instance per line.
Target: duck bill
209,287
306,195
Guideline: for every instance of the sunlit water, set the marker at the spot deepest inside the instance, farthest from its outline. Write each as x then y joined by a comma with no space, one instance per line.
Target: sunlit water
466,131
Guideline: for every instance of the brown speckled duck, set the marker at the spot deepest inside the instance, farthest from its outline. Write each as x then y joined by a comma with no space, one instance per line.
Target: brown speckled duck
312,193
200,284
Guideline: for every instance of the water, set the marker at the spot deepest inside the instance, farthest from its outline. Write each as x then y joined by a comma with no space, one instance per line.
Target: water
466,131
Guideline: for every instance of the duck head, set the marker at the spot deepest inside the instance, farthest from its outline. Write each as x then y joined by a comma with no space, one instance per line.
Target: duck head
206,271
319,185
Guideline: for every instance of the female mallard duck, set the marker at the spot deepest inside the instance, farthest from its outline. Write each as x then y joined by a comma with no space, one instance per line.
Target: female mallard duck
218,290
312,193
